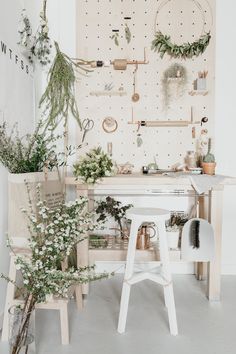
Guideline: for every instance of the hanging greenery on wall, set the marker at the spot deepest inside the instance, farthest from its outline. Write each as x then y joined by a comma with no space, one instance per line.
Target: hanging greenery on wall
37,47
163,45
59,99
174,83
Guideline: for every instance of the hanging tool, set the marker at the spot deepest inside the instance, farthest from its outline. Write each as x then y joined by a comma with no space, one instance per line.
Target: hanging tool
135,96
87,125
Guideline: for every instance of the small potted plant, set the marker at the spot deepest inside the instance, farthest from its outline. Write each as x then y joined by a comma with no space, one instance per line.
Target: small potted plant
173,230
114,209
208,163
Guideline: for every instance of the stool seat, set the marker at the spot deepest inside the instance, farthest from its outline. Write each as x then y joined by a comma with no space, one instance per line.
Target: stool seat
148,214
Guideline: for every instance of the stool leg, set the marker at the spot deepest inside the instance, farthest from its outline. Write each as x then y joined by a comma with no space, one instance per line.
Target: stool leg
9,299
128,273
168,289
64,324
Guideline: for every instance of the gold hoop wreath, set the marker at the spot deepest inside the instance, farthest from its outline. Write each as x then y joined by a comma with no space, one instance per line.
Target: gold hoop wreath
163,45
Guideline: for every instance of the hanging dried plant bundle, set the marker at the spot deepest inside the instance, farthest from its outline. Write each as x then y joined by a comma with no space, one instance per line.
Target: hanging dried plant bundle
58,99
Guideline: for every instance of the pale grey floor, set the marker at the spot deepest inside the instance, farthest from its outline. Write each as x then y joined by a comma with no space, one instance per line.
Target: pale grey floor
206,328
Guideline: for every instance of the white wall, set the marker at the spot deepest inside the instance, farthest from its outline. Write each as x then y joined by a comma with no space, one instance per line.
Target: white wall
17,90
225,123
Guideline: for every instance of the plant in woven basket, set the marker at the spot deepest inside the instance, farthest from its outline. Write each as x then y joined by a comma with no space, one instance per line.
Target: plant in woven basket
54,234
30,153
163,45
93,166
112,208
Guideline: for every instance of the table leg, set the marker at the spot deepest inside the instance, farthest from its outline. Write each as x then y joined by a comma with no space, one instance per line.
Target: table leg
214,267
201,267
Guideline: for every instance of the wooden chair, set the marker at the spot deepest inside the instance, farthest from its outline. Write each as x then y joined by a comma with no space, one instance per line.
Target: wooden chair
53,304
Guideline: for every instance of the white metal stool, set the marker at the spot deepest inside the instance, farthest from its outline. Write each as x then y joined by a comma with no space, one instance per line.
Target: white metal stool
137,217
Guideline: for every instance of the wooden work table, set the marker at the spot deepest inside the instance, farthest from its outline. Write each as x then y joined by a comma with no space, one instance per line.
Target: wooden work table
210,208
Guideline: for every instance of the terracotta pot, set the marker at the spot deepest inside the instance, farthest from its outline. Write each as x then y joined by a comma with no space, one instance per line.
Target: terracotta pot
209,168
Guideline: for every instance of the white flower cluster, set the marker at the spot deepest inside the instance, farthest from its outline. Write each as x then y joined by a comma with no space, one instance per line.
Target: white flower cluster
96,164
54,233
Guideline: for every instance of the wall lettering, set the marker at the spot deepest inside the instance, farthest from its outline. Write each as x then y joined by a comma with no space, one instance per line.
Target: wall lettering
8,52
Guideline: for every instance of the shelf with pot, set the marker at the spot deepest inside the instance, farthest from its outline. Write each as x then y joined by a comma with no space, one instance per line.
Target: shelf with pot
108,93
198,92
115,249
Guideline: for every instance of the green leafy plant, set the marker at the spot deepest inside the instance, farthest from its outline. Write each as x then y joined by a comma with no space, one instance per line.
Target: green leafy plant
54,234
209,157
163,45
113,208
25,30
175,74
93,166
115,37
127,33
42,46
30,153
59,99
176,222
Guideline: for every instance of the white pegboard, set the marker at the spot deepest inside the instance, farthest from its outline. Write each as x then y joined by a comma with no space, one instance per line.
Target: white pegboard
182,19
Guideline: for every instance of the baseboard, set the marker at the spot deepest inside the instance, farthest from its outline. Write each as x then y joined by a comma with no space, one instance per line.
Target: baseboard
118,267
228,269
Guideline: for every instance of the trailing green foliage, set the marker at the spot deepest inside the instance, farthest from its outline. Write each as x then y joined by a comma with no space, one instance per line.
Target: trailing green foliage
176,74
59,99
163,45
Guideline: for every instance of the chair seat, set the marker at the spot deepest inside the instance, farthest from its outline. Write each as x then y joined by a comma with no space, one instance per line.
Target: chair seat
148,214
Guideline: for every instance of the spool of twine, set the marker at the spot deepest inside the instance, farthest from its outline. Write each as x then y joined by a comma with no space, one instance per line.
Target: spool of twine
120,64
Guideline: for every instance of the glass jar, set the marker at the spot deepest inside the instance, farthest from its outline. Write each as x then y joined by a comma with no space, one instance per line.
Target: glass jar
191,159
21,331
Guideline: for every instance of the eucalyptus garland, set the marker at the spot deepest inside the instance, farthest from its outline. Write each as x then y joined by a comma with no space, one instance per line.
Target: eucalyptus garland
163,45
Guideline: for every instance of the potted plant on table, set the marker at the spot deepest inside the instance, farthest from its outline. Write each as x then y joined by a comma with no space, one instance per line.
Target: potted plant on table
93,166
54,233
209,163
173,229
